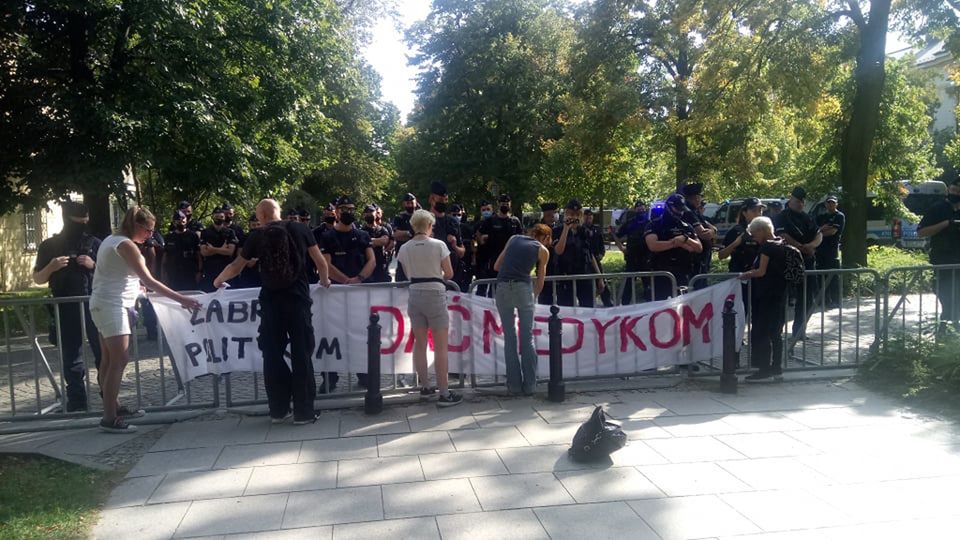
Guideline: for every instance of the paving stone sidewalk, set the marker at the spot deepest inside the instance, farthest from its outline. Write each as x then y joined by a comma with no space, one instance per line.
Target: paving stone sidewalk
812,460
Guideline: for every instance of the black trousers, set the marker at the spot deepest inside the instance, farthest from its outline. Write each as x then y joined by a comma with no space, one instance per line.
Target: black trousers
803,297
766,339
831,295
285,317
948,292
71,339
605,296
149,318
585,292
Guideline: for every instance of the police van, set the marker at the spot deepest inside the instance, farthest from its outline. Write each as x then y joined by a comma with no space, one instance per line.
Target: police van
726,216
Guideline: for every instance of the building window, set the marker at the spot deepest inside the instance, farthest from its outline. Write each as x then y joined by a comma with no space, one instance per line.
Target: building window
32,230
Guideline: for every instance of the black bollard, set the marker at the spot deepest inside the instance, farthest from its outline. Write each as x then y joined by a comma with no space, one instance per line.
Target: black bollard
373,400
555,389
728,379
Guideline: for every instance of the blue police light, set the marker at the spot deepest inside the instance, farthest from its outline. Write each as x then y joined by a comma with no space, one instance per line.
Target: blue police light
657,210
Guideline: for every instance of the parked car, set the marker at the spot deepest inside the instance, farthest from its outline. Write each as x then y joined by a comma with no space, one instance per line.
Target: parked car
726,215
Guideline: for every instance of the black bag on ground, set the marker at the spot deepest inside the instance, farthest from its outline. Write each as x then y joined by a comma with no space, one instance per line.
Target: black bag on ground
597,438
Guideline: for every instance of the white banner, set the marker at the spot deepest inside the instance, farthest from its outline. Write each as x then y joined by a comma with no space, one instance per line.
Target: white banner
222,336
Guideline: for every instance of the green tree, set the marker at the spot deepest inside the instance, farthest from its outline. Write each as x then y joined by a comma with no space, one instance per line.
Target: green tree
489,94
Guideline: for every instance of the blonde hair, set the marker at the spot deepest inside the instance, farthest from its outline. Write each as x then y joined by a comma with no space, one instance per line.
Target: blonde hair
135,216
421,220
760,223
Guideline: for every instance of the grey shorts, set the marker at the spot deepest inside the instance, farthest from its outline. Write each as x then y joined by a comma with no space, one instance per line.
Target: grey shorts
428,309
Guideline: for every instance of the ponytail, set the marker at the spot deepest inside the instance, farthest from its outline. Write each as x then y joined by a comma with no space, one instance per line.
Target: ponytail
135,216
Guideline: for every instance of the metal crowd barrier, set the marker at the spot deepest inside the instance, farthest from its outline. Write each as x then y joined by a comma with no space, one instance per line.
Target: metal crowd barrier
916,299
903,302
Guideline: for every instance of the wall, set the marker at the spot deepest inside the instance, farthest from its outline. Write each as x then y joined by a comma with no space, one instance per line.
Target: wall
16,260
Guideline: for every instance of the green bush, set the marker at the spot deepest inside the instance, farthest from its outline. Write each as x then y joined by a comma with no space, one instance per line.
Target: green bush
925,370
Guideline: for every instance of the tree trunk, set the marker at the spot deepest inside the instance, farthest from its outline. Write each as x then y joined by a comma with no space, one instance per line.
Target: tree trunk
860,132
682,109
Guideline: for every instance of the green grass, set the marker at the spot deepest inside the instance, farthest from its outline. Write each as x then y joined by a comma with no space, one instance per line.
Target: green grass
921,371
44,498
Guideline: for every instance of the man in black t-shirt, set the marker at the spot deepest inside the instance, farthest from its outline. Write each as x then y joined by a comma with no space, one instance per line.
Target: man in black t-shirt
573,250
629,237
402,231
446,229
798,229
229,219
463,272
284,309
674,246
831,224
250,276
381,239
350,257
942,224
67,261
218,245
181,261
741,246
598,247
495,231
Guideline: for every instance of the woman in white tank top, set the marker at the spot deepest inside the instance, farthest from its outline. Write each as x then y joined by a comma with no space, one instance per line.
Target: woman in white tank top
116,285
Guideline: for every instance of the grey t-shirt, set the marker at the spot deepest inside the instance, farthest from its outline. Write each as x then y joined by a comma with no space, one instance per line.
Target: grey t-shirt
519,259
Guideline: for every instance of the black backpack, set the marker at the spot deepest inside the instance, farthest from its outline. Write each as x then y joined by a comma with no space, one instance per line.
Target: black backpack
793,268
597,438
281,262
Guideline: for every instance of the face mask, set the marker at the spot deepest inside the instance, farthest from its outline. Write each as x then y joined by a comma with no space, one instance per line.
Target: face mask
456,219
504,209
953,198
218,222
347,218
330,220
179,227
486,213
409,209
440,208
227,219
369,219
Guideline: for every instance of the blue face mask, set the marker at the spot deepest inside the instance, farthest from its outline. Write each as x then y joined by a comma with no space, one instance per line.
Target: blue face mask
456,219
486,213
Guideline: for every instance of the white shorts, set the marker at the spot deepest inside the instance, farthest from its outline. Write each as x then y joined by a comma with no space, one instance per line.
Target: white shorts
113,321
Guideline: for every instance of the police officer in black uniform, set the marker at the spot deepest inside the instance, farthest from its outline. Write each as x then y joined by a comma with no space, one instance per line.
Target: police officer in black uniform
229,217
739,246
350,258
402,231
798,229
463,272
706,232
941,223
218,246
381,238
574,254
66,261
549,218
674,246
250,275
304,216
496,230
152,251
598,246
193,225
445,229
831,224
482,263
549,210
292,214
181,261
632,229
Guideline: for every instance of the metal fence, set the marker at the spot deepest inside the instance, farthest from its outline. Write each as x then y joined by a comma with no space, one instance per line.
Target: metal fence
904,302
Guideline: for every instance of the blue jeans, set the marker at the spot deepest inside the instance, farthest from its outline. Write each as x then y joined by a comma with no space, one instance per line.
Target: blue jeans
521,370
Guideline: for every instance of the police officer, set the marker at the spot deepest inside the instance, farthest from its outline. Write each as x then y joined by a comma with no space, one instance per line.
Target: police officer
774,209
941,224
193,225
350,258
152,251
402,231
250,275
549,210
496,230
292,214
798,229
636,256
674,246
304,216
739,246
446,229
574,256
381,238
66,261
463,272
218,246
831,224
482,262
229,218
599,249
706,232
181,261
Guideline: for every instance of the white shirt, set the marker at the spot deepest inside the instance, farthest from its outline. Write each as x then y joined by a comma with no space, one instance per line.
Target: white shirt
115,284
421,258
